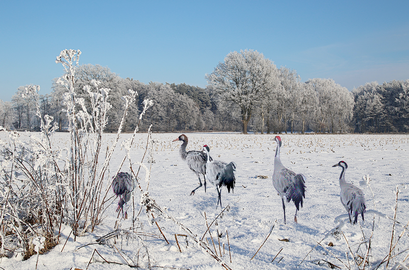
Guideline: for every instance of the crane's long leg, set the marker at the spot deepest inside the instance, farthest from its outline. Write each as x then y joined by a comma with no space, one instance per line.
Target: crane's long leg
219,200
282,199
295,216
200,185
204,182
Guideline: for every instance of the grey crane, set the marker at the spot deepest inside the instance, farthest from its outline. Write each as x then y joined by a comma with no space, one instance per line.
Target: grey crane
288,184
220,174
196,160
123,185
352,197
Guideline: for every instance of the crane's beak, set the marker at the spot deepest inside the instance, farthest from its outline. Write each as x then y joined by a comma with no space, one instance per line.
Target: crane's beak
175,140
336,165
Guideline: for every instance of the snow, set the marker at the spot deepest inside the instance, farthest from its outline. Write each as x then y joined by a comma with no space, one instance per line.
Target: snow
376,163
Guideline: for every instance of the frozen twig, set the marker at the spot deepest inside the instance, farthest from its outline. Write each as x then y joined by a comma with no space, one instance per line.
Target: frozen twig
151,205
391,247
177,242
157,225
281,249
336,257
265,239
228,242
211,236
226,208
349,248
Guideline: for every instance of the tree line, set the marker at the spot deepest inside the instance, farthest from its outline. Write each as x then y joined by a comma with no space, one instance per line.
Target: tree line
246,92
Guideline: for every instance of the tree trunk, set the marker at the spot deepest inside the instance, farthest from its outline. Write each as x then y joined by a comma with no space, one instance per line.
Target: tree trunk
268,122
245,118
245,122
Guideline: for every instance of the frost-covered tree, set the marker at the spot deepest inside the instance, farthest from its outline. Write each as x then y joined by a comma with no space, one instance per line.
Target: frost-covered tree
289,99
57,109
24,103
335,105
187,113
6,114
307,105
162,116
402,101
382,108
84,77
368,108
171,111
395,97
243,78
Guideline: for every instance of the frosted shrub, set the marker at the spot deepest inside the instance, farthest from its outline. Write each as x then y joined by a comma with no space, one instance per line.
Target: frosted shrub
30,197
42,186
86,180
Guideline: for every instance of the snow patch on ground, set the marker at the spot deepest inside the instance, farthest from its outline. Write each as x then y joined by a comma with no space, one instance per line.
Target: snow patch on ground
376,163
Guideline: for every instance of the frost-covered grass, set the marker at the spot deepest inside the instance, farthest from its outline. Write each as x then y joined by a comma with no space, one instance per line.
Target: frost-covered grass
377,163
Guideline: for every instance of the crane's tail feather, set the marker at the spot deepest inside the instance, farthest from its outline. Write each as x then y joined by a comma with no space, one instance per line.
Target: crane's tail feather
297,193
361,210
228,178
122,183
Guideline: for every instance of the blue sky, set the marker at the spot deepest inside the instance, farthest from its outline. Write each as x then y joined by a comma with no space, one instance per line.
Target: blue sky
352,42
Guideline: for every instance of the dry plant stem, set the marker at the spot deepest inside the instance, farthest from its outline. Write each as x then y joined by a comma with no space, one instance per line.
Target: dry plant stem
329,251
66,241
149,204
157,225
369,242
220,250
38,255
391,247
349,247
407,256
1,223
400,236
228,242
281,249
120,254
265,239
139,168
211,237
227,207
92,256
177,242
331,264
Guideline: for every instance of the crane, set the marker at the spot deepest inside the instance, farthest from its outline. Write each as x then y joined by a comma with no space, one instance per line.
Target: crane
220,174
196,160
352,197
288,184
123,185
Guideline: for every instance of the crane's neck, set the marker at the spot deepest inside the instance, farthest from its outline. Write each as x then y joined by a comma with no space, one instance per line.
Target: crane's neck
342,177
277,161
182,150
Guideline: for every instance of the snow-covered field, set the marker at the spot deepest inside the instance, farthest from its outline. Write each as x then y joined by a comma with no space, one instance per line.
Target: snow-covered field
254,207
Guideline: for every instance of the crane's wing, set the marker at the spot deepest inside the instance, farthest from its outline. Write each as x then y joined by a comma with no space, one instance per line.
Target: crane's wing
353,200
213,171
292,186
196,161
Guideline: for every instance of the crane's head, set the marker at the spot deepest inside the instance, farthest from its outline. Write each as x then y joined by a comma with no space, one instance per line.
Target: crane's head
342,164
206,148
278,140
182,137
